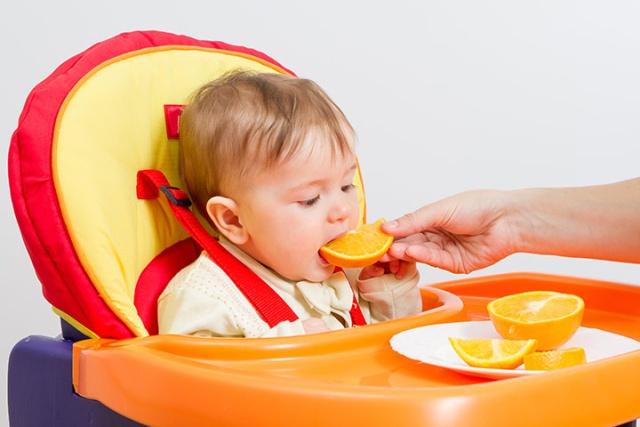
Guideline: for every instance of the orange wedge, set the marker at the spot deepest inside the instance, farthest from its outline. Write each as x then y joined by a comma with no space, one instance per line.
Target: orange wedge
492,353
555,359
551,318
358,248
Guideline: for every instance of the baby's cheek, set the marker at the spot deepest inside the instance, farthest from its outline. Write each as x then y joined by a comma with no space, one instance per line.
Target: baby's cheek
355,214
353,221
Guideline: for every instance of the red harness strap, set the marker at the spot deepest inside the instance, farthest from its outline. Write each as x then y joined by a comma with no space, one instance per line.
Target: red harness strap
264,299
357,318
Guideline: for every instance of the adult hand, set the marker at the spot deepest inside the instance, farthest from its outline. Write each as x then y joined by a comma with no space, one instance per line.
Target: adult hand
476,229
462,233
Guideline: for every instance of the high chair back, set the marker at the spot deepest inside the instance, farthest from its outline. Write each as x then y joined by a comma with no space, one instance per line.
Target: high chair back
84,133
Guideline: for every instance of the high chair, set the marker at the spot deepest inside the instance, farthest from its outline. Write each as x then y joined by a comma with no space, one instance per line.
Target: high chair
87,168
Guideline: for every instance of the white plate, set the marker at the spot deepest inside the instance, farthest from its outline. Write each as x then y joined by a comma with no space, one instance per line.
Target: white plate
430,344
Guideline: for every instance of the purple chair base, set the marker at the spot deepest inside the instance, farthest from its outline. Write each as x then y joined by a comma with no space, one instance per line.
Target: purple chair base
41,393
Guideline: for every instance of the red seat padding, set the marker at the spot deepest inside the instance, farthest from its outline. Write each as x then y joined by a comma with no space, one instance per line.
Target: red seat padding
155,277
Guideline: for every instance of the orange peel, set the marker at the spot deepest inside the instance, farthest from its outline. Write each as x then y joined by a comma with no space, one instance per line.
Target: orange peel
358,248
555,359
551,318
492,352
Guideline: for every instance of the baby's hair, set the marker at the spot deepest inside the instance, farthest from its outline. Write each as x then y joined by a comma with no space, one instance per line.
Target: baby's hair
245,122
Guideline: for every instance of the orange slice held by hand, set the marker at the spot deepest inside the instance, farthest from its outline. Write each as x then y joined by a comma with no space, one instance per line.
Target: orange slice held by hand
551,318
358,248
555,359
492,352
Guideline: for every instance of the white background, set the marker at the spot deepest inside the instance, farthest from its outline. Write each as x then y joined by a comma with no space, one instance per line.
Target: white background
445,96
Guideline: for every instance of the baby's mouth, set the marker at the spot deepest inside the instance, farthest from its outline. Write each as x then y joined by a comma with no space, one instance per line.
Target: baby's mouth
322,261
337,236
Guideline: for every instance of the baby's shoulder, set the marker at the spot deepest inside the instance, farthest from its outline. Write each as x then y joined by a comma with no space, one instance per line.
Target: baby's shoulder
201,275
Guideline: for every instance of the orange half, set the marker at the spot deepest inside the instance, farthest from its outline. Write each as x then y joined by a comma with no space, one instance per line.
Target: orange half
551,318
358,248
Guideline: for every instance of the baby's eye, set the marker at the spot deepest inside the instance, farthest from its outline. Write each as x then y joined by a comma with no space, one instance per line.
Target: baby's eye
347,188
309,202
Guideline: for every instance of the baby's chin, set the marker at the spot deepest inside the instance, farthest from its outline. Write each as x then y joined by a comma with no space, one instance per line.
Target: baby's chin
318,270
319,276
318,273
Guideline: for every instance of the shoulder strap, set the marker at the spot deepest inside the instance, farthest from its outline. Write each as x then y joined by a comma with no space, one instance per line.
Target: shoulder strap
265,300
357,318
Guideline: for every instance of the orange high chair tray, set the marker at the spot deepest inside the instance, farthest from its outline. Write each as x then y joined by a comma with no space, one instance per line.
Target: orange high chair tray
353,377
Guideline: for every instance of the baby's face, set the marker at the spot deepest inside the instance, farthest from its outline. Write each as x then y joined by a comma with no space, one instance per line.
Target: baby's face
294,208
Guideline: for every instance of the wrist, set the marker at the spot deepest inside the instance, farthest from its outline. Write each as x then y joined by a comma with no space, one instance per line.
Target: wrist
521,209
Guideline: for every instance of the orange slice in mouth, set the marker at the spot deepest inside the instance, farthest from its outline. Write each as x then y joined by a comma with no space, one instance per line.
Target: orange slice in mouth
358,248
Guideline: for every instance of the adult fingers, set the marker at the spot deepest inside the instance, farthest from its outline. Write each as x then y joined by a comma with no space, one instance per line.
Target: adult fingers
433,256
397,251
425,218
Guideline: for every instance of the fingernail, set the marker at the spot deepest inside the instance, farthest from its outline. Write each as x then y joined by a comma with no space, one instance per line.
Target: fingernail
391,224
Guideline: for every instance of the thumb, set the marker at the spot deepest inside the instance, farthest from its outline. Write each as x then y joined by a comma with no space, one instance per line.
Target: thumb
425,218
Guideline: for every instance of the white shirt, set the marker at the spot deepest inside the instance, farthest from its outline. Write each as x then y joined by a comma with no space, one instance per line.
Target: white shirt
202,300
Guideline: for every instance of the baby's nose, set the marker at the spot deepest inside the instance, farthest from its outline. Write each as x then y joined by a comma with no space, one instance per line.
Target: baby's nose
339,212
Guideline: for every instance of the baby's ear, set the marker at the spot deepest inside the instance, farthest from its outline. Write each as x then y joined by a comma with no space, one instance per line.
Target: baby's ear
223,211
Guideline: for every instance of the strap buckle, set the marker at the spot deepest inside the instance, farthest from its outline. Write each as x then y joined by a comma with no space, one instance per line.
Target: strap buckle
184,202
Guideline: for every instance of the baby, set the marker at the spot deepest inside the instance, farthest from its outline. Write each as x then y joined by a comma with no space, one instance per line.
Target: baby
269,160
